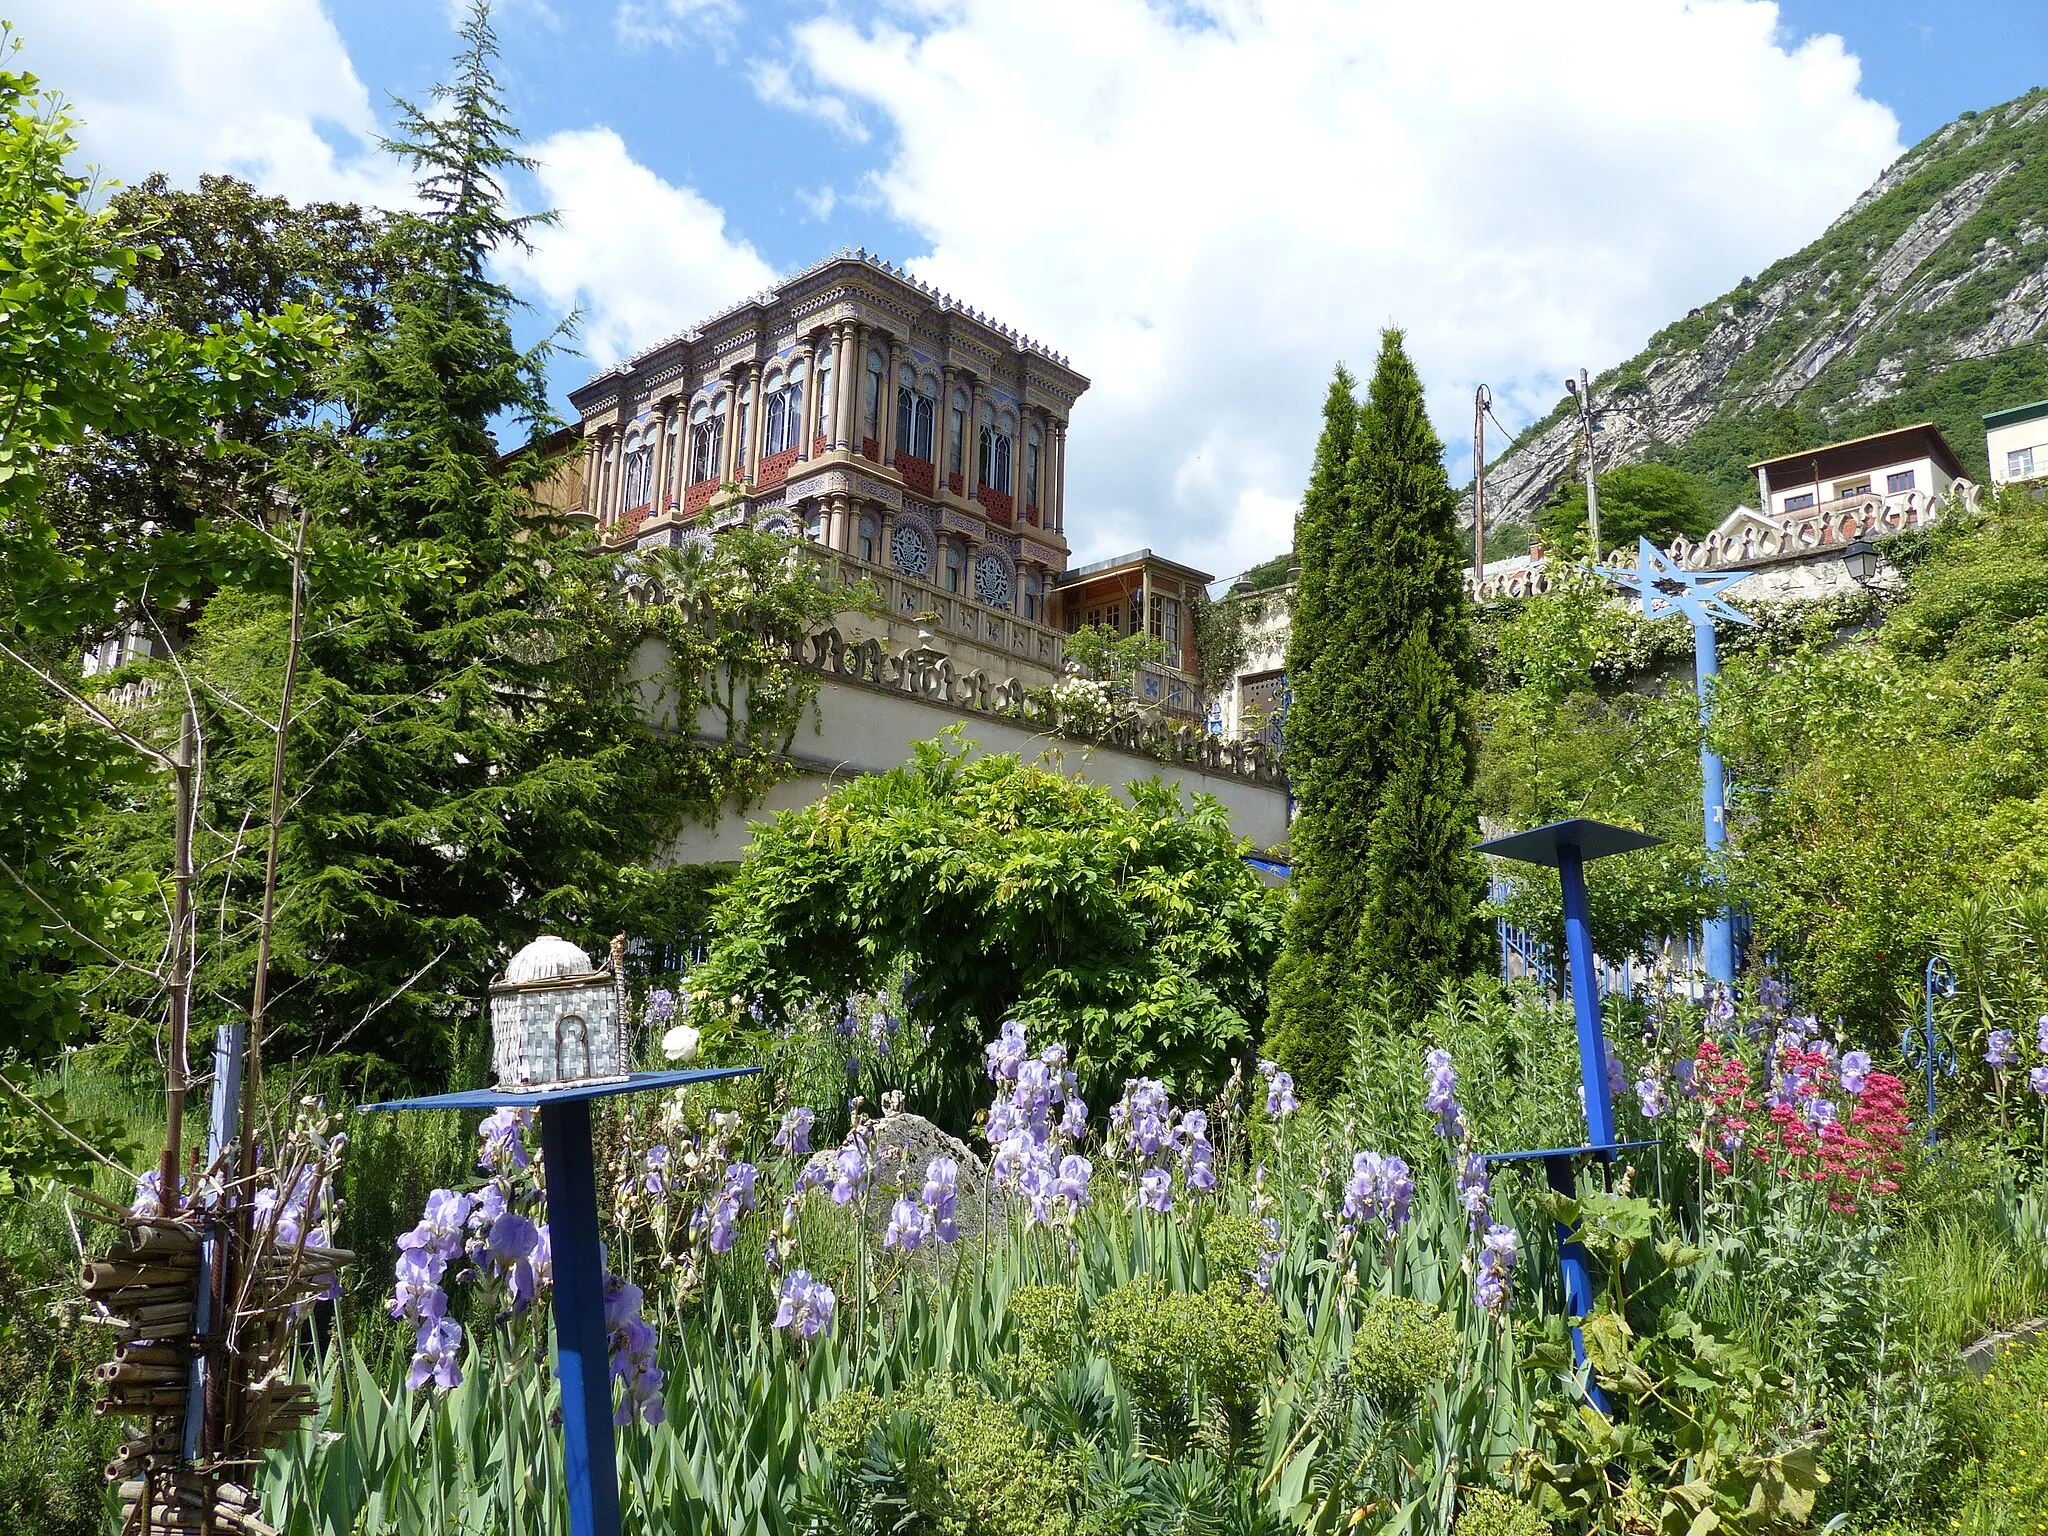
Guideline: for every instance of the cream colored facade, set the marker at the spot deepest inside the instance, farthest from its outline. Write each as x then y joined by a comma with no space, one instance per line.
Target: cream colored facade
2016,441
916,440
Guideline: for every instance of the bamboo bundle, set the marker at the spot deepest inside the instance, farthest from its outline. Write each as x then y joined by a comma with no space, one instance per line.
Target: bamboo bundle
150,1354
130,1297
122,1373
118,1274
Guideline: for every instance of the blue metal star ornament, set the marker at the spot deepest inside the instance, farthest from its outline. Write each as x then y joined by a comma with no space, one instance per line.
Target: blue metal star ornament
1667,587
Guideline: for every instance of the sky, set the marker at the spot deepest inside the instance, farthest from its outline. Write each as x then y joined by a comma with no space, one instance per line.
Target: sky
1206,204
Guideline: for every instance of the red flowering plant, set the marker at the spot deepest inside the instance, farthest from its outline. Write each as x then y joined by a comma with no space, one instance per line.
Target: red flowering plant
1826,1120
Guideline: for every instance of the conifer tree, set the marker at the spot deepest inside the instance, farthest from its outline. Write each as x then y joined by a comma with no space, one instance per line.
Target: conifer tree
1379,734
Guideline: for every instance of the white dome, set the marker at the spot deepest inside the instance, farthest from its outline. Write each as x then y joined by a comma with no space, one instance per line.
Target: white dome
546,958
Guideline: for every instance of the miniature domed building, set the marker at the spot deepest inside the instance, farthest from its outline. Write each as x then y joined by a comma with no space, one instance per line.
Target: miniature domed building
557,1021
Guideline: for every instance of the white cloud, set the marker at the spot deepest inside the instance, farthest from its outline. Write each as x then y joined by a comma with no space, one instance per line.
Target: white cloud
263,89
818,205
643,258
777,87
1207,205
671,23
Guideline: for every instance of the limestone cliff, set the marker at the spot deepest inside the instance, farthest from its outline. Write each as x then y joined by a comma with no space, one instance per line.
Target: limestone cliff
1928,298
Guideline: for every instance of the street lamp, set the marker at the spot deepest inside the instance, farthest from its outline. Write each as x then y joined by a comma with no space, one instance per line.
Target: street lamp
1860,561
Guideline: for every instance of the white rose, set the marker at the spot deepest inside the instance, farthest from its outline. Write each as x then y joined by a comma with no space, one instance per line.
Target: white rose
680,1044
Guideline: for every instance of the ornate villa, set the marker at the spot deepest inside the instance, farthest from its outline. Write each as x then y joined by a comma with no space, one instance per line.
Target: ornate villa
912,439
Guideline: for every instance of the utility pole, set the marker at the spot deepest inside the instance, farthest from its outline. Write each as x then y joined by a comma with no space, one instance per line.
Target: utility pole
1481,399
1583,391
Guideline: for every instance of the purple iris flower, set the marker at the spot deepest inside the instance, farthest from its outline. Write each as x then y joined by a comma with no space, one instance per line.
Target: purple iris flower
1499,1252
1998,1051
513,1237
1155,1190
795,1135
504,1139
435,1355
805,1305
1854,1071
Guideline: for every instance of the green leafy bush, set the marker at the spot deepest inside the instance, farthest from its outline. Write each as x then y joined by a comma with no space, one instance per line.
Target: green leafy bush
1401,1349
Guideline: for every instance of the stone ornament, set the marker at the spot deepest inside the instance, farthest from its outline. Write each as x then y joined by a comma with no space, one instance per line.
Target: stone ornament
557,1020
910,550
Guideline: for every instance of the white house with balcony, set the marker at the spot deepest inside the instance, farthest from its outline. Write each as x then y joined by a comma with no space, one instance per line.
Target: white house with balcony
2017,442
1908,461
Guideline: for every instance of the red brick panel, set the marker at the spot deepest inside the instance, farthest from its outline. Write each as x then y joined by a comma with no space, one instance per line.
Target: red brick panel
916,472
775,469
699,496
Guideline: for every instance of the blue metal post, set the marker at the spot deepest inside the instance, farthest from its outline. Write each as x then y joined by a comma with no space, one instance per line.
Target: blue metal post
1720,928
1578,1275
1578,942
230,1045
582,1353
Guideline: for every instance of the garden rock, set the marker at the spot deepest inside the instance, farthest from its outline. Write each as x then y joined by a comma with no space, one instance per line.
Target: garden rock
902,1146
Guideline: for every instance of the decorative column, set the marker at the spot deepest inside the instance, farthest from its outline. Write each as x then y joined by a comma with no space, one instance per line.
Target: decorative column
807,423
728,450
1056,450
883,556
658,488
593,457
885,408
971,450
855,370
942,429
751,448
835,521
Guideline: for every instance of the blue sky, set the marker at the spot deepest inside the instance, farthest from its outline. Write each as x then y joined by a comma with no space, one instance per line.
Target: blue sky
1206,203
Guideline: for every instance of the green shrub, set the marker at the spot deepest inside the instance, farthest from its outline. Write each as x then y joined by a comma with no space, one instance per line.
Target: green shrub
1235,1244
845,1424
1489,1512
1047,1319
1401,1349
987,1474
1167,1345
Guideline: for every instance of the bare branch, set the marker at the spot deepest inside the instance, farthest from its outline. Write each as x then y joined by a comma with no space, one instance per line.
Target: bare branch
73,929
98,715
402,988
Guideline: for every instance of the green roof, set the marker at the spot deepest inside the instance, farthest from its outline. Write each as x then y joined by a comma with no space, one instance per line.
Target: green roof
2013,415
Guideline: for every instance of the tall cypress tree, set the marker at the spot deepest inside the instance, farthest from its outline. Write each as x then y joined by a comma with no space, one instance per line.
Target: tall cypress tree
1379,735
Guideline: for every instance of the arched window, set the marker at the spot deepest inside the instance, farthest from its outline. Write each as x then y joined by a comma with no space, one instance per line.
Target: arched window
916,408
639,470
956,437
785,412
952,566
1034,597
867,539
996,437
1031,471
707,440
607,476
740,440
668,463
871,403
814,522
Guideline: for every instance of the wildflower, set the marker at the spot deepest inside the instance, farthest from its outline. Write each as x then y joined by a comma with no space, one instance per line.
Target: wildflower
1474,1192
1650,1095
661,1007
1617,1079
1855,1071
504,1139
1442,1091
680,1043
512,1237
795,1135
1075,1173
854,1172
2038,1080
149,1194
656,1181
1723,1005
941,1195
1998,1052
740,1180
632,1340
1499,1252
1155,1190
1379,1189
805,1305
2041,1034
1073,1119
1006,1053
434,1355
1280,1100
909,1225
1686,1075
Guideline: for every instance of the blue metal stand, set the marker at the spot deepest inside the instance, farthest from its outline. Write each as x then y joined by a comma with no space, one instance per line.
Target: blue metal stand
582,1342
1932,1052
1667,588
1566,846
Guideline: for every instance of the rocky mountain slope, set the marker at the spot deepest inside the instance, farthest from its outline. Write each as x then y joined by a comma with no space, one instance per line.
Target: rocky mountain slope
1927,299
